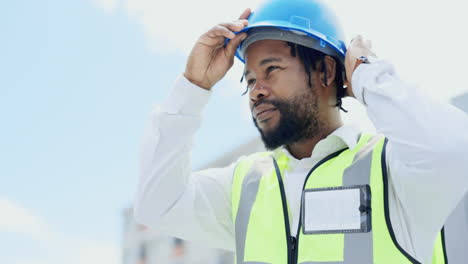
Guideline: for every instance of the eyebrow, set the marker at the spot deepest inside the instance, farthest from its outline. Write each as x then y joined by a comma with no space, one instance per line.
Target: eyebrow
264,62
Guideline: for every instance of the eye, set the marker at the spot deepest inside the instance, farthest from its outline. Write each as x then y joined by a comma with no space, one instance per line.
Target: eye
250,83
271,68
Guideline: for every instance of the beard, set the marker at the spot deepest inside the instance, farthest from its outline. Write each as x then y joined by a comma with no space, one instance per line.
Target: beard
298,120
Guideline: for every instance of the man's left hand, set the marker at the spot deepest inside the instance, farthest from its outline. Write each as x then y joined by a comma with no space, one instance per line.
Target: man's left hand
357,48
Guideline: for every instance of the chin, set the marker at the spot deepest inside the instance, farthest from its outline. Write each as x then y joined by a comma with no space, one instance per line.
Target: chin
267,126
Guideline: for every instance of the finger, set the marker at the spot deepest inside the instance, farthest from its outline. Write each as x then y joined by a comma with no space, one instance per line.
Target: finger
220,31
244,21
358,37
245,14
234,26
368,46
234,43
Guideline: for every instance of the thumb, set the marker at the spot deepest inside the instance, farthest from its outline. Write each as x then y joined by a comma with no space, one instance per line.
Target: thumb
234,43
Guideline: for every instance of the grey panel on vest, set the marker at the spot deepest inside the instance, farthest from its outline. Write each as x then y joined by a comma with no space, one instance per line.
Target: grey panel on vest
367,148
359,172
247,199
358,247
255,262
456,233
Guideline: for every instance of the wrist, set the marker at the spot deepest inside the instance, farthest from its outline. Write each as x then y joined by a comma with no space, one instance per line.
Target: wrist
197,83
360,60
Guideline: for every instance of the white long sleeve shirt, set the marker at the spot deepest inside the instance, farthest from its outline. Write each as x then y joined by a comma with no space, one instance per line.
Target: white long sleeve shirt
426,157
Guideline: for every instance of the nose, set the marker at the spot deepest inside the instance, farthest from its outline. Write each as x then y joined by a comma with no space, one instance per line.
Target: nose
259,91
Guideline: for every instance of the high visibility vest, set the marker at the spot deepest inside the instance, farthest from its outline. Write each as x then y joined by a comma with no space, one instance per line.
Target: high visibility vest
261,216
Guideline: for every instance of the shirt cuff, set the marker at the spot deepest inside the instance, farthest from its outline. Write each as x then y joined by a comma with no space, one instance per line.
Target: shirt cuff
186,98
365,73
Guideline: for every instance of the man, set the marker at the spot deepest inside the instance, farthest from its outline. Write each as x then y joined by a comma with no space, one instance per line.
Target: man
389,197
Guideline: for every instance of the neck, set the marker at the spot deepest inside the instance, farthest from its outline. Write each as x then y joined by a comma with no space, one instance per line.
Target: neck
303,148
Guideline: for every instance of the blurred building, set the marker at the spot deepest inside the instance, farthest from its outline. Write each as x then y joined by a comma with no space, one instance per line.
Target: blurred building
461,102
142,245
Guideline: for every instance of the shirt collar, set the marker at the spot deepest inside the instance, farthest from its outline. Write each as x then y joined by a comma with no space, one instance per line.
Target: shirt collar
345,136
348,134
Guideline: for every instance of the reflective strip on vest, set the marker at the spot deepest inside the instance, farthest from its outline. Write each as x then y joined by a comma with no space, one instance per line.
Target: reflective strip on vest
247,199
358,247
260,176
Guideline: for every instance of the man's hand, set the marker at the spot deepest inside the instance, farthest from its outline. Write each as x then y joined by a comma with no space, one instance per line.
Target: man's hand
209,59
357,48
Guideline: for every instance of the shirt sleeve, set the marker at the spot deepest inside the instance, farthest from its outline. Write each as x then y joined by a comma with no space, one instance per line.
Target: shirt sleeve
170,197
426,151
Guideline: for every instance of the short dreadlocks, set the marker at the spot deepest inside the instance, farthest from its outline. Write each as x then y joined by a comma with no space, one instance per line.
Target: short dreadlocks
310,59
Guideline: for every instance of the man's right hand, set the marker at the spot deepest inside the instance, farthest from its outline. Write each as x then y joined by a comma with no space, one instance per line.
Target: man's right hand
209,59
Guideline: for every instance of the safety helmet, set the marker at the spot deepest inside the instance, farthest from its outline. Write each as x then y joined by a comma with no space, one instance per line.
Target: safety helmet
308,23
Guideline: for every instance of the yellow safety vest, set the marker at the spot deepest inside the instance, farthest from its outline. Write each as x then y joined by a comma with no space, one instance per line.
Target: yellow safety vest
261,216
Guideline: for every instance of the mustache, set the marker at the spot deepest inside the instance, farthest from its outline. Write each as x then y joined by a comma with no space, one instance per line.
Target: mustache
275,103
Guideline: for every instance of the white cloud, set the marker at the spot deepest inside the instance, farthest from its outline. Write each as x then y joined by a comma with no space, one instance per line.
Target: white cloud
175,25
58,247
73,252
14,218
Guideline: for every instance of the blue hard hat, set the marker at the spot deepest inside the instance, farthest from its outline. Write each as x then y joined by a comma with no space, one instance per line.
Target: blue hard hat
306,22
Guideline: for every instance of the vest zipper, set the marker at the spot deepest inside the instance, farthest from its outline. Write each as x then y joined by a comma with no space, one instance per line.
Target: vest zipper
291,241
298,233
294,250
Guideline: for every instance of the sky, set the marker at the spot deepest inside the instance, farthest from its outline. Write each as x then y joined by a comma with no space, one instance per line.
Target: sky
78,79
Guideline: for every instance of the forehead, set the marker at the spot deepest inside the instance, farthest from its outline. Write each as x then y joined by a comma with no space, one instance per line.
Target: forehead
262,49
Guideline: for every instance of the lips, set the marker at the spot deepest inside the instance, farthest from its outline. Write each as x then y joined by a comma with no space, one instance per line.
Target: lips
262,112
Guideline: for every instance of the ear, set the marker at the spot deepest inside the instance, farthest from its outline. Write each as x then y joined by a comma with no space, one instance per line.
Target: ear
328,75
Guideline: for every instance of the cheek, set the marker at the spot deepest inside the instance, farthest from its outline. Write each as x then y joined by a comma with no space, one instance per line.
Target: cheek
282,84
294,80
251,107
